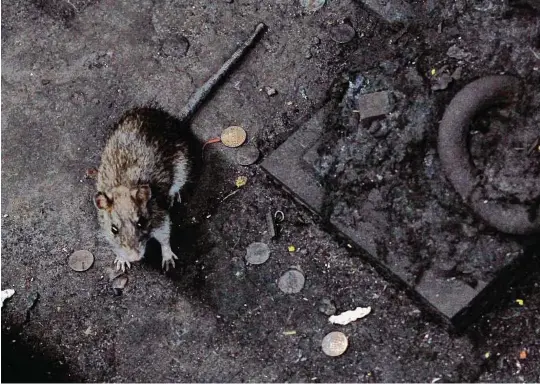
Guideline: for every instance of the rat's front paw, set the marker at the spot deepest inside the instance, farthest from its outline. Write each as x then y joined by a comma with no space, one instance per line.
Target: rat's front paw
121,264
168,260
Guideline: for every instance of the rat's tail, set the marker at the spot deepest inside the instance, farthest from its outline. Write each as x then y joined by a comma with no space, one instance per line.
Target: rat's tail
204,91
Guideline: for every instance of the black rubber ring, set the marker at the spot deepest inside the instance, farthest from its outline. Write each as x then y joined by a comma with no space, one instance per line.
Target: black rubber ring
456,159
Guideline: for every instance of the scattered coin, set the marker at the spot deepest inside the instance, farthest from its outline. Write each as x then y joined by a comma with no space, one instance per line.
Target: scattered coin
342,33
81,261
257,253
312,5
291,281
233,136
247,155
334,344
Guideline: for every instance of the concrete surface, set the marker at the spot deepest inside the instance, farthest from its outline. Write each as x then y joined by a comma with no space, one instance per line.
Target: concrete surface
69,70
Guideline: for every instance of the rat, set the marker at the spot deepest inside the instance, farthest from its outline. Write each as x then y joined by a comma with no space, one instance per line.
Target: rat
144,166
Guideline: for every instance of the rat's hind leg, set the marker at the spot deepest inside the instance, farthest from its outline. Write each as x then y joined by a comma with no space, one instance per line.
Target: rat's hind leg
180,177
162,234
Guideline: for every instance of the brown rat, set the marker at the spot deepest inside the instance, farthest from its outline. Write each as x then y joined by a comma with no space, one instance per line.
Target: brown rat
143,167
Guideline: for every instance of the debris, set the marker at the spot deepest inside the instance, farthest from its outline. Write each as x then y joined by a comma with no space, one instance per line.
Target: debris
312,5
247,155
240,181
81,261
350,316
291,248
271,225
307,54
456,75
392,11
233,136
374,104
315,40
91,173
327,307
487,355
279,216
88,330
289,333
342,33
257,253
32,300
225,198
120,282
270,91
535,147
334,344
433,72
523,354
291,281
6,294
456,52
520,302
442,82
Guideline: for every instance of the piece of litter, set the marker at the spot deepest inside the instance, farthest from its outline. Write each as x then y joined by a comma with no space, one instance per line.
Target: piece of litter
233,136
6,294
240,181
270,91
257,253
312,5
81,261
120,282
289,333
247,155
6,215
291,248
487,355
334,344
291,281
271,225
88,330
435,379
433,72
523,355
349,316
520,302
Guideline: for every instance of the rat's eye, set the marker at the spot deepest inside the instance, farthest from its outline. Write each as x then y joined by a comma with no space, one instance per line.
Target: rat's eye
114,229
142,222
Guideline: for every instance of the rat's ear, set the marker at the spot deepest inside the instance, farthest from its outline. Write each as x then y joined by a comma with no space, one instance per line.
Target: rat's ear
142,193
101,201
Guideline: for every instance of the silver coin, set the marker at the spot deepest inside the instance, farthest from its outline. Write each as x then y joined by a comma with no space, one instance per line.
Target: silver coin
247,155
257,253
334,344
291,281
81,260
312,5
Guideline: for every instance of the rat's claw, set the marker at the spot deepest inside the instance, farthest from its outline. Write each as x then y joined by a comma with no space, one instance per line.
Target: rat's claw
121,264
168,261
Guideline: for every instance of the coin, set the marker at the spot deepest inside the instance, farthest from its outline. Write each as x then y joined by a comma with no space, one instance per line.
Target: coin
81,260
334,344
247,155
312,5
233,136
257,253
291,281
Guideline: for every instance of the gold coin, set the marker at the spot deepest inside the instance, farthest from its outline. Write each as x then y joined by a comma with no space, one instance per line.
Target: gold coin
334,344
81,261
233,136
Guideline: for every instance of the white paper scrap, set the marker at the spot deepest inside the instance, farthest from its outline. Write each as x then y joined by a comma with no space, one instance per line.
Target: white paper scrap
350,316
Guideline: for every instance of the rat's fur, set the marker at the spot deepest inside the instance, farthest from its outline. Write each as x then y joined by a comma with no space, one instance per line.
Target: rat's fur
143,168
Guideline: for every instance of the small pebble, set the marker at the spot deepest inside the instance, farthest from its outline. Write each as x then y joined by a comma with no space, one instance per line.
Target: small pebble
315,41
257,253
308,55
271,91
233,136
291,281
327,307
342,33
81,260
120,282
247,155
334,344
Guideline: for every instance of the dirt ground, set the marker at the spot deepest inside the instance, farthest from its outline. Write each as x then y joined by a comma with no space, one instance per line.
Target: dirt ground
69,71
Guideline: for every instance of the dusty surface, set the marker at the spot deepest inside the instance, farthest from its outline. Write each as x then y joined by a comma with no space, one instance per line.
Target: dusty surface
70,69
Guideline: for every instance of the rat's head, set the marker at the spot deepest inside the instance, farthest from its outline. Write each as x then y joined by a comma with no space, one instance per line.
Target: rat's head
125,219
